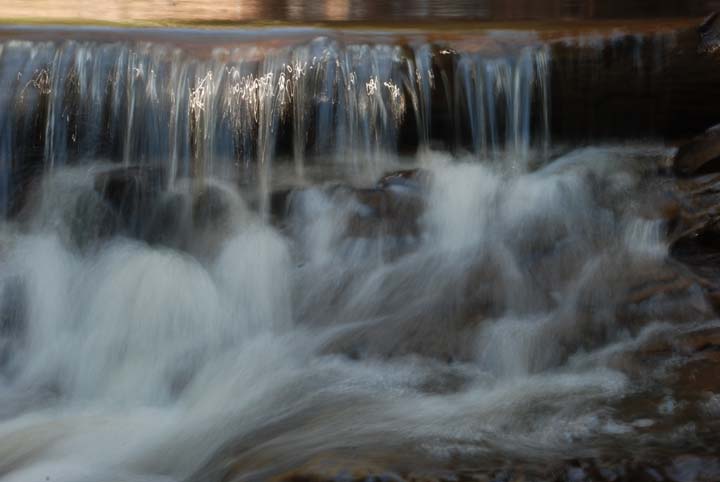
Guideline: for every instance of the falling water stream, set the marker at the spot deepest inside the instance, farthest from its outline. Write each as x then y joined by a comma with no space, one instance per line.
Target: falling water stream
204,334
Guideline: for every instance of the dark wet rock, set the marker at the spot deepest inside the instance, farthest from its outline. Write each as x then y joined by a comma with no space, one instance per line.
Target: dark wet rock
339,470
677,374
216,212
392,208
659,468
408,178
212,209
700,374
389,212
694,231
709,32
694,344
13,312
691,468
280,202
704,340
699,248
90,220
131,192
667,291
169,224
197,217
386,213
699,156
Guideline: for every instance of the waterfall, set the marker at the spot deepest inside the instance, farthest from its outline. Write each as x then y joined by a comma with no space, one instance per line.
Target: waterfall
233,111
234,258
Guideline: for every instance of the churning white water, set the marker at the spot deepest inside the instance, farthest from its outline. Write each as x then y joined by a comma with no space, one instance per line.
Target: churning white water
245,348
202,279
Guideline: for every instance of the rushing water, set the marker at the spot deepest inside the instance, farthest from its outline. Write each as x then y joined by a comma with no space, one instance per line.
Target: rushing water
230,110
212,341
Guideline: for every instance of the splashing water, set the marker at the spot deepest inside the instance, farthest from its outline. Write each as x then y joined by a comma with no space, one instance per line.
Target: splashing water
270,345
213,341
225,112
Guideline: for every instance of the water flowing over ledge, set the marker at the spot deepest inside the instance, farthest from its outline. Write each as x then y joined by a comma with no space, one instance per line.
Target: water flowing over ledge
234,107
232,103
170,311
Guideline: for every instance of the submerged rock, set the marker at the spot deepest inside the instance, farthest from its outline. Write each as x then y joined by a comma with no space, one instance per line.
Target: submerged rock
389,211
658,467
699,156
386,213
677,374
13,314
216,211
91,220
168,223
336,470
213,208
413,179
196,217
668,291
131,192
280,202
694,231
394,205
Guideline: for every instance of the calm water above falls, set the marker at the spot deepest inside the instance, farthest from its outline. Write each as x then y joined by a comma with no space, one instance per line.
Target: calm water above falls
201,279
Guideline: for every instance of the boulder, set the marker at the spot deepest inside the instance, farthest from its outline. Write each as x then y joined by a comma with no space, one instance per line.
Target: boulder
280,201
388,213
90,220
410,179
699,156
131,192
709,32
668,291
390,208
394,205
694,230
196,217
213,208
169,221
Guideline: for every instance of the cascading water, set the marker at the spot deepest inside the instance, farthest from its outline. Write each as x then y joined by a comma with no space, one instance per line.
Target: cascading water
226,111
160,320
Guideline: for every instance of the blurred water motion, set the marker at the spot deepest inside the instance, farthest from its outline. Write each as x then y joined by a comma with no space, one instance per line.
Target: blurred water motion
347,10
228,253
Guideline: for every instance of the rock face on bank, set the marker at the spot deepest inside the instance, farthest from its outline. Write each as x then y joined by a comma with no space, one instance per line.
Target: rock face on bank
709,33
695,228
699,156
